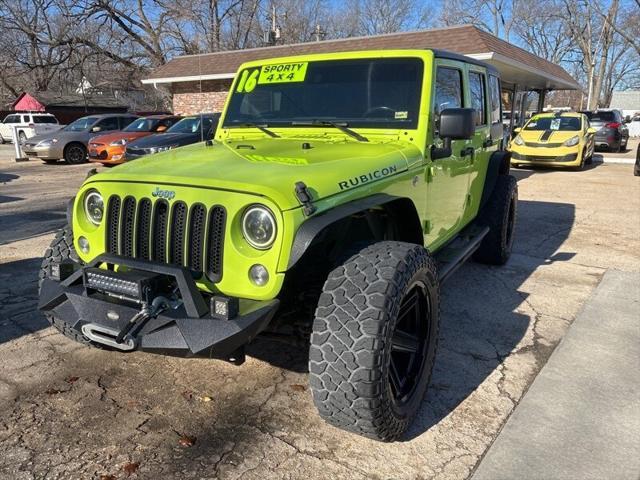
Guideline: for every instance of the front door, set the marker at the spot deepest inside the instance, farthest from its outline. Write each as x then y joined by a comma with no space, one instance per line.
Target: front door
448,177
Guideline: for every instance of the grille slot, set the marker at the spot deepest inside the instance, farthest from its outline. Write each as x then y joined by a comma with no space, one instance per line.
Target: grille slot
178,233
196,237
160,216
143,229
113,219
190,236
215,242
128,223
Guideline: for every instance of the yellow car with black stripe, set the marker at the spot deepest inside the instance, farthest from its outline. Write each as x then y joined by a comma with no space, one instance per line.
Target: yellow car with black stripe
554,139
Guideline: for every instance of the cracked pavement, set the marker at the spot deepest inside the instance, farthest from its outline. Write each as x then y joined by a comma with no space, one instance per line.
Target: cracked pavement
67,411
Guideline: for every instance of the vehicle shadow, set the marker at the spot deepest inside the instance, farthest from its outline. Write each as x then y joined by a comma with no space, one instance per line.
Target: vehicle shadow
22,225
525,172
8,177
19,315
480,324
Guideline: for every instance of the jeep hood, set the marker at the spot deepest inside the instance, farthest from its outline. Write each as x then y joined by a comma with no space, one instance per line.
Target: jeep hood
271,167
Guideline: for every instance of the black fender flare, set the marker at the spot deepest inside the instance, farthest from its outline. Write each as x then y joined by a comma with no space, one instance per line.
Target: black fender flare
310,229
499,164
70,204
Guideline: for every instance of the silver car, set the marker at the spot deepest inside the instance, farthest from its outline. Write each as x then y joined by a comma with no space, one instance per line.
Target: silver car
70,143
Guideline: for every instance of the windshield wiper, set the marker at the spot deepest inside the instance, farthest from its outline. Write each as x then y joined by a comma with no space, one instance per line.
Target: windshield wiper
260,127
342,126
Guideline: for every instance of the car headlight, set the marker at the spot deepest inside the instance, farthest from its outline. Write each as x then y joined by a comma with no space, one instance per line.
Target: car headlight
94,206
47,143
119,143
259,227
518,140
572,141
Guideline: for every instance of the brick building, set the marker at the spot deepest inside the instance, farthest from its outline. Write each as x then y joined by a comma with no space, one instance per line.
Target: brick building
200,83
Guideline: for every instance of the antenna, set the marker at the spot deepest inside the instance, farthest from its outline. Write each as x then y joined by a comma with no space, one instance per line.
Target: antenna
201,107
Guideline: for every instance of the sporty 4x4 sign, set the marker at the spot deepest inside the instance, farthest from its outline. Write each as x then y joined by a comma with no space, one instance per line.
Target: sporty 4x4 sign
281,73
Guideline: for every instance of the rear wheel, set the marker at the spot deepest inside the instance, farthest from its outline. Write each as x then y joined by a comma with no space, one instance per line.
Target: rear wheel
374,339
75,153
499,214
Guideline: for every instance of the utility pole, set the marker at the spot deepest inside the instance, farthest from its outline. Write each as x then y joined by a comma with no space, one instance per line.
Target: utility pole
273,35
319,33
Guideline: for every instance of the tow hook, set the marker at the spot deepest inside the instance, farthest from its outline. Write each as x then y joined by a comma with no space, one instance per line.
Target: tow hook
123,340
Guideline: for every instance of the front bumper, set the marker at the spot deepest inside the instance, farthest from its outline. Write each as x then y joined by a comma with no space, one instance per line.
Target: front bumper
106,154
52,152
538,158
189,330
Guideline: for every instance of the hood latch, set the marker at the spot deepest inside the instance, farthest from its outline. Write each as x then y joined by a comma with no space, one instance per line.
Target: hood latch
303,195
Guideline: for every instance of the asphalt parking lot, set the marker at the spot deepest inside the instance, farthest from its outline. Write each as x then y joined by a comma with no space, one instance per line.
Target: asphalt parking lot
68,411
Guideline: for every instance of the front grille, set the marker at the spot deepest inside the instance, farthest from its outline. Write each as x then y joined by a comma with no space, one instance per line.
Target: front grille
153,230
543,145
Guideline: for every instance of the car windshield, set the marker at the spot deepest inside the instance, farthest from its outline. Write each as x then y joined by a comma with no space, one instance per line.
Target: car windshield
142,125
191,125
563,124
81,124
376,93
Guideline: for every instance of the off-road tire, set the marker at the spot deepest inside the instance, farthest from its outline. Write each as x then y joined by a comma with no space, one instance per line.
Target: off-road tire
61,248
75,154
354,333
499,214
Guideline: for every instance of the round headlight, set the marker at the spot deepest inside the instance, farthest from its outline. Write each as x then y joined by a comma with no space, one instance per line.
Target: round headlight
259,227
94,206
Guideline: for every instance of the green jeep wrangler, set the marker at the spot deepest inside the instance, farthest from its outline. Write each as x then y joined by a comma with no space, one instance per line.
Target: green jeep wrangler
365,178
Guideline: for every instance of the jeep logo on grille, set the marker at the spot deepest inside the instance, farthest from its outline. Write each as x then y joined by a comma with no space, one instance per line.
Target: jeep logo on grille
168,194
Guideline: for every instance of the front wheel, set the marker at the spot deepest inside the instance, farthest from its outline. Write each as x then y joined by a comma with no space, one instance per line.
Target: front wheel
61,248
374,339
75,154
499,214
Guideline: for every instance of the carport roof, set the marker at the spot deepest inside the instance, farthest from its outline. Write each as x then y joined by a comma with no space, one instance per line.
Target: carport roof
516,65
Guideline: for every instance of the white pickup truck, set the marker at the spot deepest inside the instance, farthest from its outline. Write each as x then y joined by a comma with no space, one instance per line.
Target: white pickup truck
29,125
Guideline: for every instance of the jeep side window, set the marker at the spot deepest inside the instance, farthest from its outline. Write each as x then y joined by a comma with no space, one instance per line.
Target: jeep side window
494,93
478,100
448,91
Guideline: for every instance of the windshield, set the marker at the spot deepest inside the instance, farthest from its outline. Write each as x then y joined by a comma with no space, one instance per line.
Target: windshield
192,125
376,93
142,125
81,124
563,124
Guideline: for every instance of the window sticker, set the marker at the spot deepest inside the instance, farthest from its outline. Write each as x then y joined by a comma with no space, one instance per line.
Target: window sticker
401,115
555,124
283,73
267,74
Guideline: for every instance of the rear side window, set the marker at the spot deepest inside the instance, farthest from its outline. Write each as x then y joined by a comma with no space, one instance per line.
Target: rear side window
494,95
478,100
448,89
601,116
107,124
44,119
12,119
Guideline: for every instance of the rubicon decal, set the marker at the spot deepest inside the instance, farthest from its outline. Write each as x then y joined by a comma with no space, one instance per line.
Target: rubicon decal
367,177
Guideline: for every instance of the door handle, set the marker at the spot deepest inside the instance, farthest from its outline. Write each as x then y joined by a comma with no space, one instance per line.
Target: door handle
465,152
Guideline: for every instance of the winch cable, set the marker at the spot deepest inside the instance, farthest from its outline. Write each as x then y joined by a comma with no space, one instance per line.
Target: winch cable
159,305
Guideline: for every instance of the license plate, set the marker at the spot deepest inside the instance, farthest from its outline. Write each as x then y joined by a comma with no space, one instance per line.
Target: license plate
93,153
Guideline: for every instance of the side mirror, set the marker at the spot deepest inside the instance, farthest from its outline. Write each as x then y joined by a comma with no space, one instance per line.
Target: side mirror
591,130
454,124
517,130
627,119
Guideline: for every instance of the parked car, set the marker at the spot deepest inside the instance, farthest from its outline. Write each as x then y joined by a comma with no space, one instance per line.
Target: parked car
309,187
70,143
554,139
29,125
612,132
109,149
192,129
